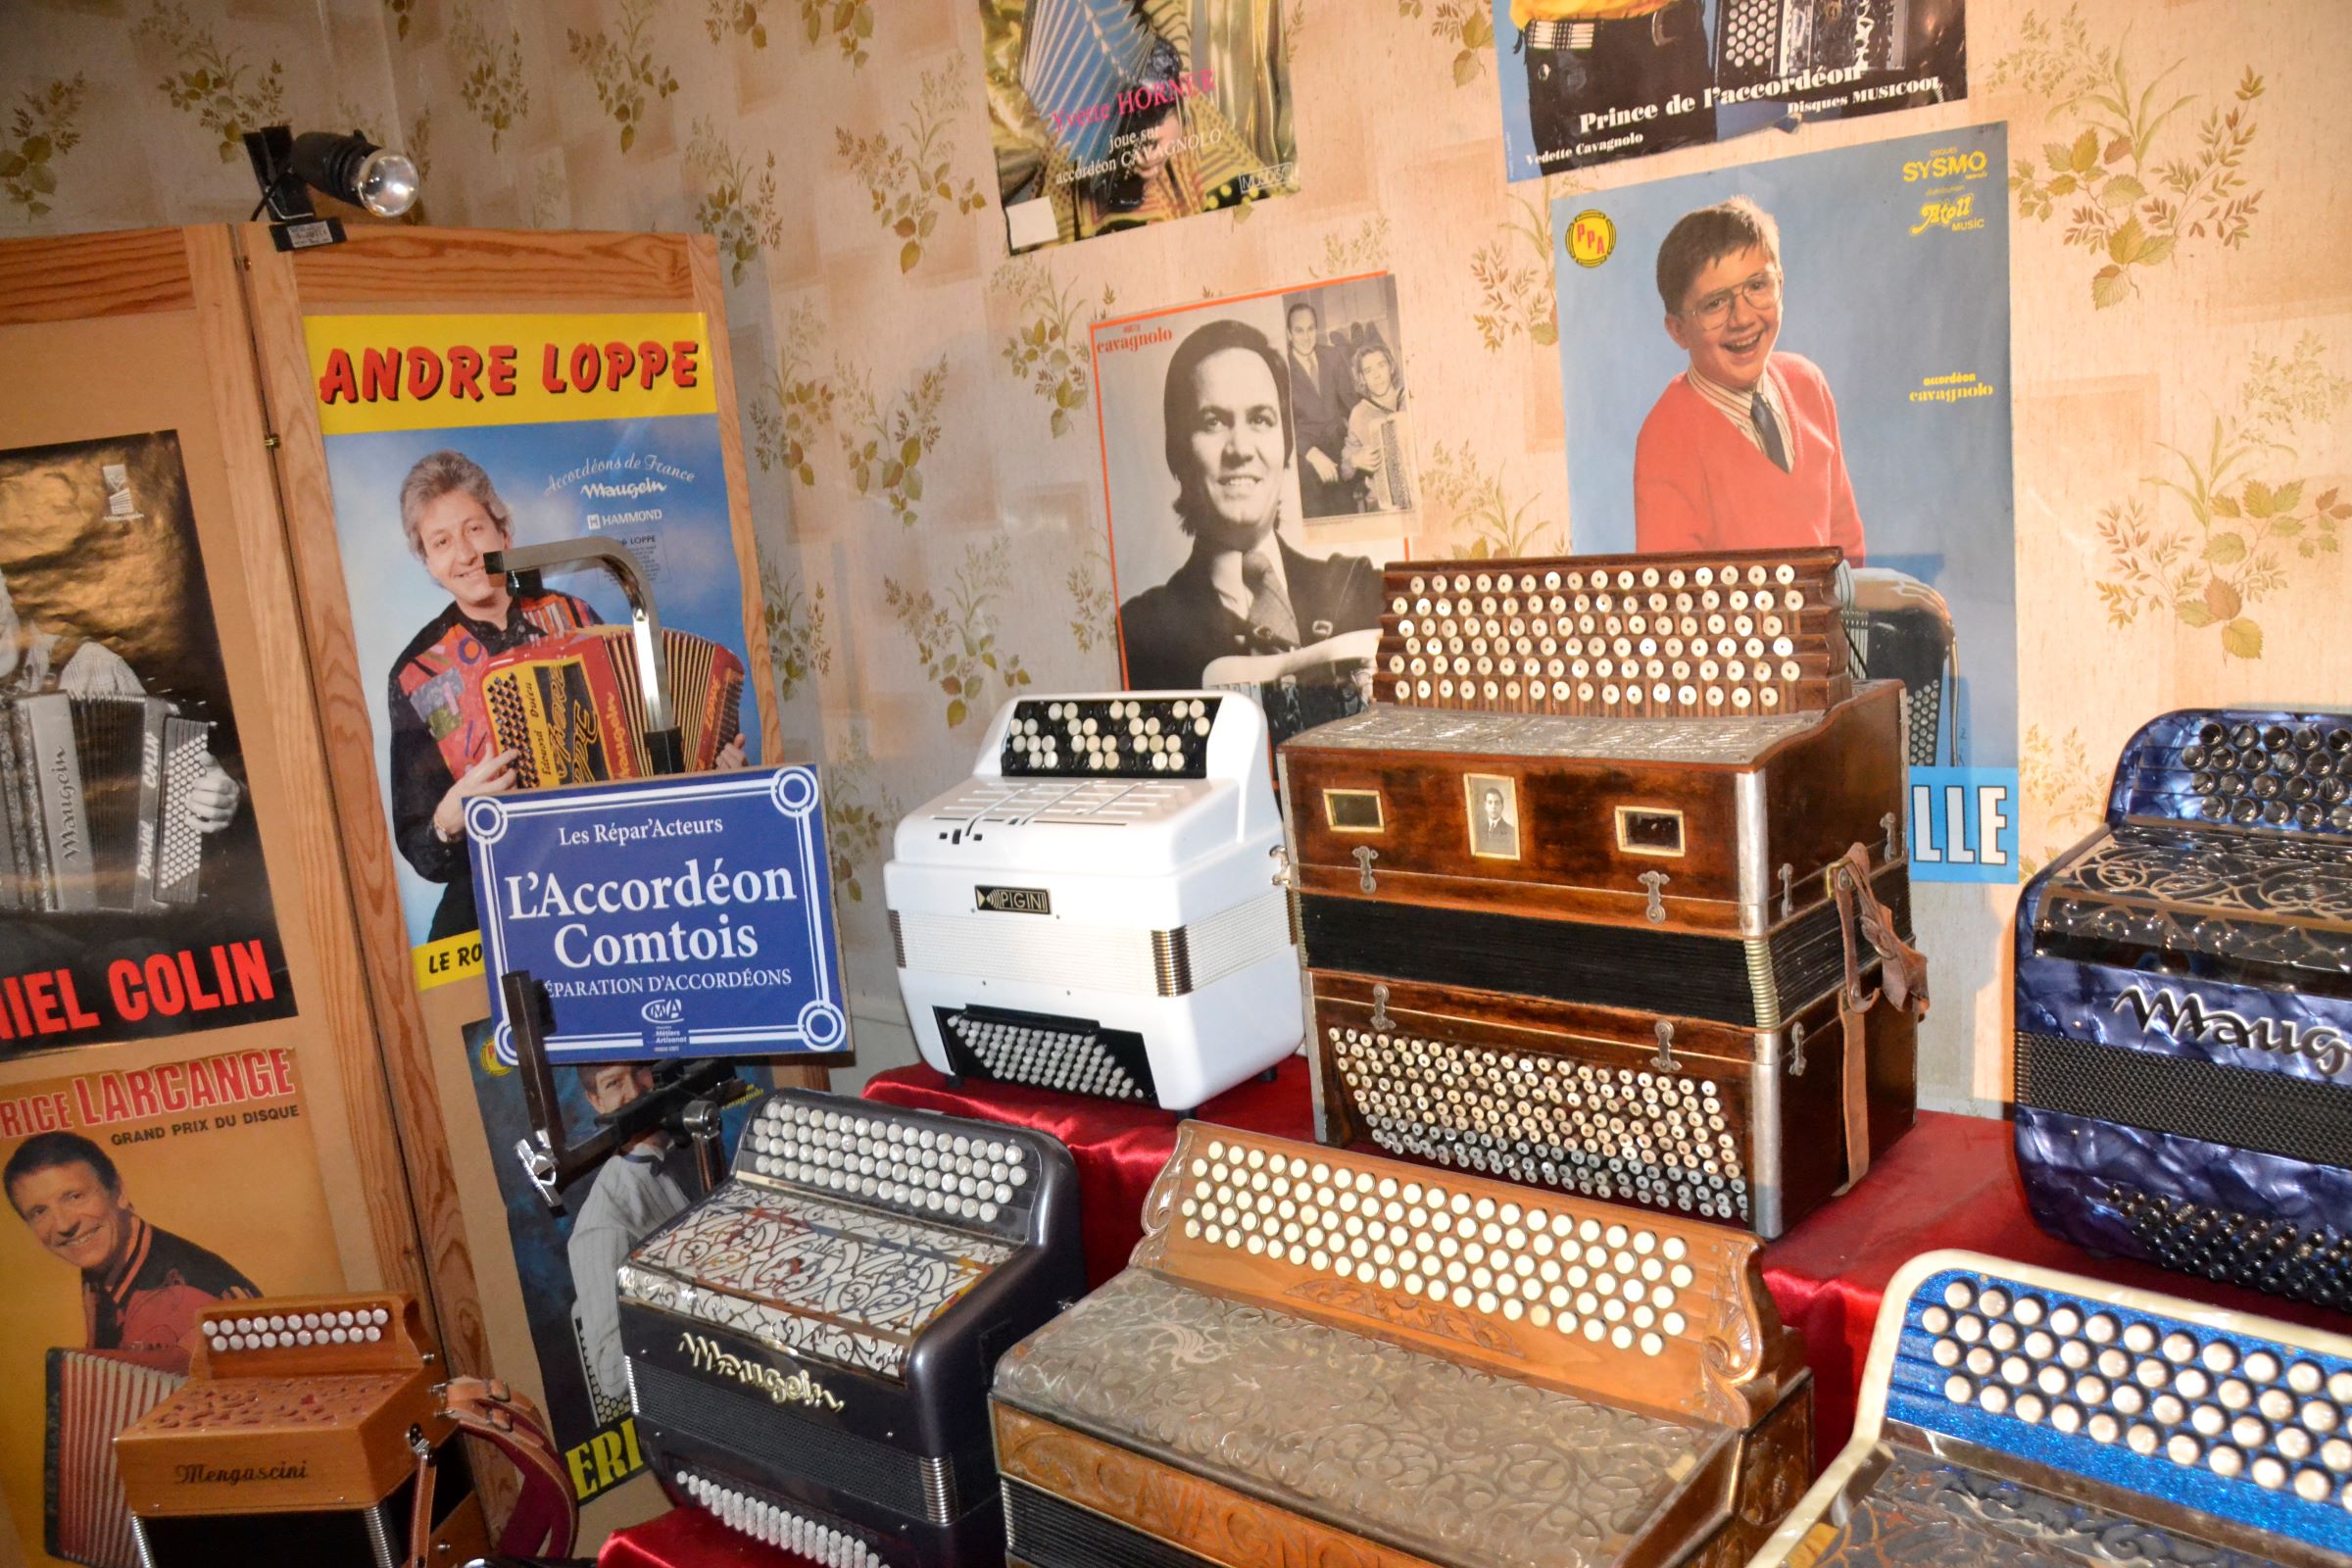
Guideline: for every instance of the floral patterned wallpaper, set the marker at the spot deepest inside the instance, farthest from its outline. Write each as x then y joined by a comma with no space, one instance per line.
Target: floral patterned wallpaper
917,406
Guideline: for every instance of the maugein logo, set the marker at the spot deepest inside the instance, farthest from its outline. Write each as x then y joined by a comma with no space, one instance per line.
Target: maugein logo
2186,1017
708,1355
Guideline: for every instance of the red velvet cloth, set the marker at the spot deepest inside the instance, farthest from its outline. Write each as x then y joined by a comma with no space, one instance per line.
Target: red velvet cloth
688,1537
1952,1182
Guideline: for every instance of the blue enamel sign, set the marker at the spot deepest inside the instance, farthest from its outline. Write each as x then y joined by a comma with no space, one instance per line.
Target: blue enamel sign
685,916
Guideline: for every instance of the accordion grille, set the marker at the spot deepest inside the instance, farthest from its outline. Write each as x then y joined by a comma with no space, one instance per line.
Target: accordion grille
92,1397
794,1527
2308,1263
1620,1134
1040,1527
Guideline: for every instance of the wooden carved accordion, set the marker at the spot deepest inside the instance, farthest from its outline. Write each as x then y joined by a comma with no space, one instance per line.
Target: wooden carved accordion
572,708
2185,1008
94,803
1611,896
1324,1357
809,1347
291,1441
1094,909
2023,1416
93,1394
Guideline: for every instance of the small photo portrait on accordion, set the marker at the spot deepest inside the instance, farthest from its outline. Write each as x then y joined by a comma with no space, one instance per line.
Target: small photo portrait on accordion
130,865
566,1262
130,1221
1492,808
1216,418
490,686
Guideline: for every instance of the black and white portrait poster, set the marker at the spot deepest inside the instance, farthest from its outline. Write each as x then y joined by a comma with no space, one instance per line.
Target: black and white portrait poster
133,901
1258,472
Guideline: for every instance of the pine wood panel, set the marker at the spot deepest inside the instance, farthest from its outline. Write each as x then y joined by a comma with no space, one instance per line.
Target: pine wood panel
81,276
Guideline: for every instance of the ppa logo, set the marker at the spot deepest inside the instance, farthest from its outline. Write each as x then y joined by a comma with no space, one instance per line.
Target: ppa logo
662,1009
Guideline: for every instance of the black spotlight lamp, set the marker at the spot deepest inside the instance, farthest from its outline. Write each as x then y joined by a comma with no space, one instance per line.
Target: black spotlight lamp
349,168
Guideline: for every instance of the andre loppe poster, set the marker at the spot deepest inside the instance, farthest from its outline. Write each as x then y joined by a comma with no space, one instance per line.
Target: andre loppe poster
451,436
133,898
1815,350
137,1196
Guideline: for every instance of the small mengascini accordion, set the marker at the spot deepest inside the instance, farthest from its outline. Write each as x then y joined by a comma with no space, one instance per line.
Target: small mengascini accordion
2185,1008
2022,1416
809,1347
1095,907
1317,1356
94,803
572,707
1611,896
290,1441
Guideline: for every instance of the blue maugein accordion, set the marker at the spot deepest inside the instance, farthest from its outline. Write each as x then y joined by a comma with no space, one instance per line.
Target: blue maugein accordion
2185,1008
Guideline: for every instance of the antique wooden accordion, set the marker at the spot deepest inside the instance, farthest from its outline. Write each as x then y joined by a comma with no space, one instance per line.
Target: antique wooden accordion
572,707
809,1347
94,803
1610,897
1318,1357
2185,1008
2019,1415
1095,909
291,1441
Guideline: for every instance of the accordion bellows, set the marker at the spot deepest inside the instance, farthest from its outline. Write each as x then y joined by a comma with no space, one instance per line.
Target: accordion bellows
93,1394
1323,1357
94,803
2019,1415
809,1347
2185,1008
1611,896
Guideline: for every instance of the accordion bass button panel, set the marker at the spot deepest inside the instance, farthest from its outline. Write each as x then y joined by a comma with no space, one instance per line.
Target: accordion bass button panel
809,1347
2010,1414
1290,1304
1635,891
2185,1008
1095,909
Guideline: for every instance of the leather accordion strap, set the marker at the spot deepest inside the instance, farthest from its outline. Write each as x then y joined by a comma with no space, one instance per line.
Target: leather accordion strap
1903,980
545,1515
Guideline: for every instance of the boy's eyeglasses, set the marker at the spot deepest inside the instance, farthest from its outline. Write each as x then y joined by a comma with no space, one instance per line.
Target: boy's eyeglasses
1758,291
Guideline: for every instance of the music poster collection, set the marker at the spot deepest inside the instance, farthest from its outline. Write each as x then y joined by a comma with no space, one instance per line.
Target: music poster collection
133,898
449,437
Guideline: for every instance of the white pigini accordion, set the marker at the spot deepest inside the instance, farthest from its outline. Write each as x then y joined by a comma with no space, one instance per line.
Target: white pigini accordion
93,803
2012,1414
1095,909
92,1395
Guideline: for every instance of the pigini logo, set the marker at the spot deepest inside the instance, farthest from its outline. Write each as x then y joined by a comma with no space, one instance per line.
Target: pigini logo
708,1355
2186,1017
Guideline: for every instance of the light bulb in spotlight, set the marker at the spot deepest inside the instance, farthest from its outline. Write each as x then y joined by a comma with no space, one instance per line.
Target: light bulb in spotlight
388,183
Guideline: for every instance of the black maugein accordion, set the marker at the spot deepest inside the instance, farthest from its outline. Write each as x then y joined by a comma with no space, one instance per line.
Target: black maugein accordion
94,803
1319,1357
2022,1416
2185,1008
809,1347
1642,933
93,1394
572,707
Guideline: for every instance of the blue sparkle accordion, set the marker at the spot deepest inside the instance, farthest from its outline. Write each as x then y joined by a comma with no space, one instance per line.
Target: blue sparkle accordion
809,1347
2022,1416
2185,1008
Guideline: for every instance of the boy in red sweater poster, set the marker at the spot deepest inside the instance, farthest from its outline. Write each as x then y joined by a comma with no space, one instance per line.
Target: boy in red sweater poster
1741,450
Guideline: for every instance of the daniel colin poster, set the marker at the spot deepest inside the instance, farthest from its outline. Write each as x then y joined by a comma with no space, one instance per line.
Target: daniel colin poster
450,436
133,900
1815,350
1112,113
1595,81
